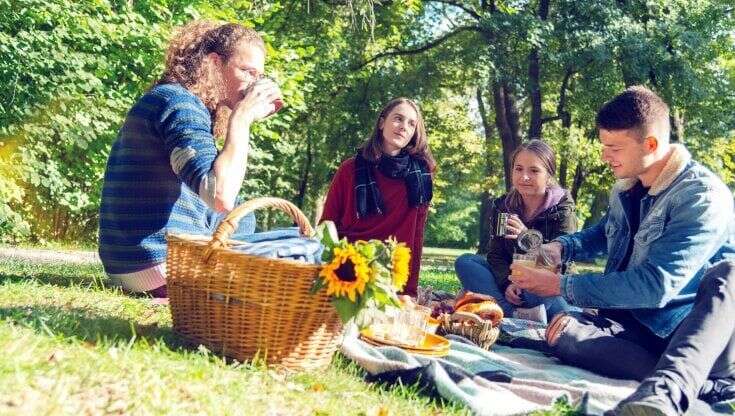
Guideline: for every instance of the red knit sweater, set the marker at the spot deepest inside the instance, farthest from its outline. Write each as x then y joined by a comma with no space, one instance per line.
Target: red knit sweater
400,220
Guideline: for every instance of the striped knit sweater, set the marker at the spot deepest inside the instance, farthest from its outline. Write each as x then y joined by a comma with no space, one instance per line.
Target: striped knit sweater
163,151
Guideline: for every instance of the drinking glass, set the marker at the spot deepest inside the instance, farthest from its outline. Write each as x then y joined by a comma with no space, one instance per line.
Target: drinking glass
412,326
528,260
277,103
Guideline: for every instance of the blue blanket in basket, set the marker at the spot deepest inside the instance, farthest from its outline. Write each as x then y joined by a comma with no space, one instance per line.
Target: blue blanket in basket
284,243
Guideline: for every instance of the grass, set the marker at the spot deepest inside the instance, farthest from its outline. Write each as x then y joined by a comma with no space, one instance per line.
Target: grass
73,346
438,251
56,245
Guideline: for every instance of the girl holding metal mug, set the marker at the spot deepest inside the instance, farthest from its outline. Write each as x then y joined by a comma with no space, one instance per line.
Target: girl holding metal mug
535,201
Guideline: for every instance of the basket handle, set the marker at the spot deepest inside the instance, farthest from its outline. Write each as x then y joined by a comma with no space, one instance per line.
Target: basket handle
229,224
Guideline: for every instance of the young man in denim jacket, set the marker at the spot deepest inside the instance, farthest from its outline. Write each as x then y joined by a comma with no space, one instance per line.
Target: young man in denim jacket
670,220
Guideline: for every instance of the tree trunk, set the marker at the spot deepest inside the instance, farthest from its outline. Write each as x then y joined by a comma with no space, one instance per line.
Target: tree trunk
563,167
566,123
506,120
579,174
677,126
534,81
486,197
304,181
534,94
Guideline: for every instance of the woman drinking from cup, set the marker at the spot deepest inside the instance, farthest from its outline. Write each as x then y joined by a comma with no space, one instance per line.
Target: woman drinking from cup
385,189
164,172
534,202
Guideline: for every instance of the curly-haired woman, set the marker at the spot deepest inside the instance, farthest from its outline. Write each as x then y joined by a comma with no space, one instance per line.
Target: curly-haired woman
164,172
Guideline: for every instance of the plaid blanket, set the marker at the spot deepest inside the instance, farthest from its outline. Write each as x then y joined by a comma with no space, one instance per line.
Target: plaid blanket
282,243
503,381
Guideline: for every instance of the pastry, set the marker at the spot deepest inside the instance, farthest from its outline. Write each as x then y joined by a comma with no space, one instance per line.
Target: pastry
483,306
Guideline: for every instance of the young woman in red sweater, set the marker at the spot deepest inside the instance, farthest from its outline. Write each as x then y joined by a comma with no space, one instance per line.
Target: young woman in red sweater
385,189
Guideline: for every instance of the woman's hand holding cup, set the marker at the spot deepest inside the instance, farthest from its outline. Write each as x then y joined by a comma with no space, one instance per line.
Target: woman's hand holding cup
513,227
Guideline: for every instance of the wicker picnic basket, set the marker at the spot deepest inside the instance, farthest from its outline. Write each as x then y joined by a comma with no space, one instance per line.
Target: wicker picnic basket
247,307
481,332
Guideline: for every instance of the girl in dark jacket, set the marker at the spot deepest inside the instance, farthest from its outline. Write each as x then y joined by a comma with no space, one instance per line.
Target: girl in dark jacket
535,202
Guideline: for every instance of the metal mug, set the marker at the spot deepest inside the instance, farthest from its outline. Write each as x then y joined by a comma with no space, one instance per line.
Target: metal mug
500,225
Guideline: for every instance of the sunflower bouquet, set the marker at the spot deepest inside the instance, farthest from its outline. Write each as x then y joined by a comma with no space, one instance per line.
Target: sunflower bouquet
363,274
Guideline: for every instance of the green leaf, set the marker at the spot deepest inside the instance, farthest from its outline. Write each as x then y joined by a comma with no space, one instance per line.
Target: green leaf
345,308
317,285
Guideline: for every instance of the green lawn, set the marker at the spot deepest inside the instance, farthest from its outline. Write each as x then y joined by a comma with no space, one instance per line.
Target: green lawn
72,346
438,251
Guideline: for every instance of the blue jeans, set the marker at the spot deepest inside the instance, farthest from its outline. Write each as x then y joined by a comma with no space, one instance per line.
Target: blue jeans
474,272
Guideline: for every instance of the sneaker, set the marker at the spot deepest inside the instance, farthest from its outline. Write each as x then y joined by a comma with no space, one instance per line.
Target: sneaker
650,399
537,314
638,409
718,390
159,292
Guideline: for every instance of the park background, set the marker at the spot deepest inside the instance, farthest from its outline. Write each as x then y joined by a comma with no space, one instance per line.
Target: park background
487,75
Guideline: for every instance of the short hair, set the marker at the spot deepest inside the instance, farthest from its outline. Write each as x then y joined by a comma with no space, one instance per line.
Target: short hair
636,108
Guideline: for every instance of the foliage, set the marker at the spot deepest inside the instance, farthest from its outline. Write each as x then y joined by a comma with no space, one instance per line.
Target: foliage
69,78
69,74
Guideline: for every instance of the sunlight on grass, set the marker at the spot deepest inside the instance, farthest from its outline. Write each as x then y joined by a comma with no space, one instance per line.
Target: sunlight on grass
79,347
439,279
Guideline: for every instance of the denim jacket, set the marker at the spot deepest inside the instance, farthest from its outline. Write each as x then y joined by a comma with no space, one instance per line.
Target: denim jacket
687,224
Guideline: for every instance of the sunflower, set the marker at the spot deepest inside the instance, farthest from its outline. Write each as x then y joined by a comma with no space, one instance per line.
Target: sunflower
400,260
346,274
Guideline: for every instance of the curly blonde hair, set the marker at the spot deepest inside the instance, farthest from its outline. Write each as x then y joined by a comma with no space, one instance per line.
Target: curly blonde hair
185,63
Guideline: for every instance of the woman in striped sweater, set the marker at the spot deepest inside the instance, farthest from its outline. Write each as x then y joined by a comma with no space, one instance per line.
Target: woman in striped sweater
164,172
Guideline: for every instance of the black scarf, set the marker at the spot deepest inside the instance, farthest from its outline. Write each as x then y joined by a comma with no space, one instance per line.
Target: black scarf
413,170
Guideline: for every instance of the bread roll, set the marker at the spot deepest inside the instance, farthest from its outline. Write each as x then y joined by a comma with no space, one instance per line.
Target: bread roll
483,306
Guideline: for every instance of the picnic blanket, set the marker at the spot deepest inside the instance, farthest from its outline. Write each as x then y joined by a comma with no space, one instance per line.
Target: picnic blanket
281,243
503,381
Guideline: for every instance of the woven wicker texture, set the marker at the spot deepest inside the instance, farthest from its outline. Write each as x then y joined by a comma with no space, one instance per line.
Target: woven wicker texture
244,306
481,332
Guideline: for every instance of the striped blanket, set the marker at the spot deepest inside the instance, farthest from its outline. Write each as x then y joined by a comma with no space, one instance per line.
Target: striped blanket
283,243
502,381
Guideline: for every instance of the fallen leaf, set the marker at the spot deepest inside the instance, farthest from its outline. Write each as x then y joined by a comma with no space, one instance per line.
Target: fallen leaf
56,356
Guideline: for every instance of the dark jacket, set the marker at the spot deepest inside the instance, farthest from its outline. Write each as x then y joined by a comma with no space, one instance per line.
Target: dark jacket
557,220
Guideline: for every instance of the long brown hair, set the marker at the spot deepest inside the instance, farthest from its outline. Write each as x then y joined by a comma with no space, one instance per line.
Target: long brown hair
418,146
514,201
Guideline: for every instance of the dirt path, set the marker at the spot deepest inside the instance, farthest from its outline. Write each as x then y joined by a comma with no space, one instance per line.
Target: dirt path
49,256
